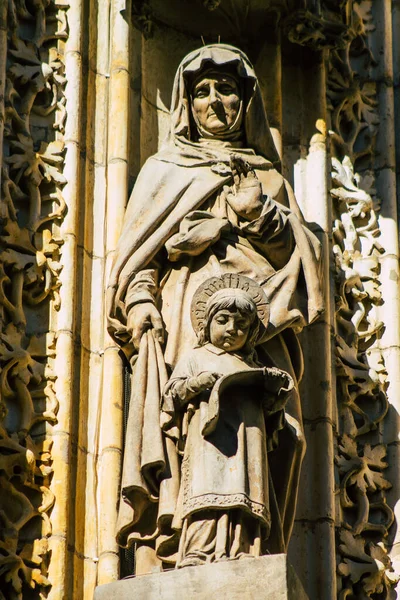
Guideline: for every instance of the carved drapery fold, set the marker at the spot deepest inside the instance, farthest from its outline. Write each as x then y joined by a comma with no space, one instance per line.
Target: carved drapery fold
31,207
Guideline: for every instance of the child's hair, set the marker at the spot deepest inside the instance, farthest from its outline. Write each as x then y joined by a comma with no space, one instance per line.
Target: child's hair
230,298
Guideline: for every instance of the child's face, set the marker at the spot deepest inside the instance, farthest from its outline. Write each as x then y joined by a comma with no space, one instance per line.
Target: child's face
229,329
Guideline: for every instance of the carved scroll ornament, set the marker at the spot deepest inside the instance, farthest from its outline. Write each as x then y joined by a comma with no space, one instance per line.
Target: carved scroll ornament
364,519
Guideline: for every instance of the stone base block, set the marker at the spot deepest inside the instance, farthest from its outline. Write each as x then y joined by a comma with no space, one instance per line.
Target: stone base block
264,578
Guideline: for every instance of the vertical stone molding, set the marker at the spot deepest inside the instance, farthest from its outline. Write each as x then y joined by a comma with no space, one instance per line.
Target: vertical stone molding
32,208
110,432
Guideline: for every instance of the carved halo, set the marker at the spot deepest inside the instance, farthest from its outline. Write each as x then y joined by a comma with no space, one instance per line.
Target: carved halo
229,280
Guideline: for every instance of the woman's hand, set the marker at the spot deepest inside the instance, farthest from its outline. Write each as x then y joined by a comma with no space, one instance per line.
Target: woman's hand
142,317
246,197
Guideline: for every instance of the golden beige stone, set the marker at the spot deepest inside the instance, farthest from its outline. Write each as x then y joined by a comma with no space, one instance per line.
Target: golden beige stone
85,94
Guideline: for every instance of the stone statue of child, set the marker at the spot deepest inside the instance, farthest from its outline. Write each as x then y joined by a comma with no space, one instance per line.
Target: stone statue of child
228,407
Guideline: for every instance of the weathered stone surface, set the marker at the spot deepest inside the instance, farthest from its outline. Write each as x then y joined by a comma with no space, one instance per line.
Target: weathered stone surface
266,578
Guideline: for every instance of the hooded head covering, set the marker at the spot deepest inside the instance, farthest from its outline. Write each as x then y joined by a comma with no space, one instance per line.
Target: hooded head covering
182,147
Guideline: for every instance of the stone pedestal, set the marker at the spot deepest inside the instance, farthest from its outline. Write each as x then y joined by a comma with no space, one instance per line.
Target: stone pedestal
265,578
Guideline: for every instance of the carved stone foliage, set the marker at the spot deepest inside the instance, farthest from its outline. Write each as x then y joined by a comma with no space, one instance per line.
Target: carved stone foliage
321,24
142,17
352,95
32,206
364,565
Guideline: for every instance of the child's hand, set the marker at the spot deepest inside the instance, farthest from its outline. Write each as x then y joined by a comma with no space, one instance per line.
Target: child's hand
207,380
277,387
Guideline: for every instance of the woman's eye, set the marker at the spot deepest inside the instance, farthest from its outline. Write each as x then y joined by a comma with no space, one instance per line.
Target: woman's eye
225,90
201,93
221,320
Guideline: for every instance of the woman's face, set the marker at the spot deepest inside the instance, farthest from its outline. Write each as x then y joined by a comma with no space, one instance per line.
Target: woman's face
216,102
229,329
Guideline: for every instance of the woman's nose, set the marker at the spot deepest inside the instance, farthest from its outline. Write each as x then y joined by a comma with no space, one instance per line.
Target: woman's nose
214,96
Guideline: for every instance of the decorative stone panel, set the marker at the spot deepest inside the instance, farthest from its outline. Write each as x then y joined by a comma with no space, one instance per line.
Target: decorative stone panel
364,516
32,206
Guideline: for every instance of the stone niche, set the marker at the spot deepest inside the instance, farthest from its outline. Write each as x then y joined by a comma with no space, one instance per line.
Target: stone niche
299,53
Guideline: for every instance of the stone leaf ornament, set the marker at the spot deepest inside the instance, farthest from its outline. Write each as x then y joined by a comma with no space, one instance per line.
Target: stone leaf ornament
32,207
364,567
364,518
361,390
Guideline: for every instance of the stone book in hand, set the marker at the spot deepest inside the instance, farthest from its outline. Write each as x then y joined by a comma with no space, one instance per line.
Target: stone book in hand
270,381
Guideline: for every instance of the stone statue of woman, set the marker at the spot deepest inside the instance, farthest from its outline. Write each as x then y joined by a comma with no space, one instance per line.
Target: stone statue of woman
210,202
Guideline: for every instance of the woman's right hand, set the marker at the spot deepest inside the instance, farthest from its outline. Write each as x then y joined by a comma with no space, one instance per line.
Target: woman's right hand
142,317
